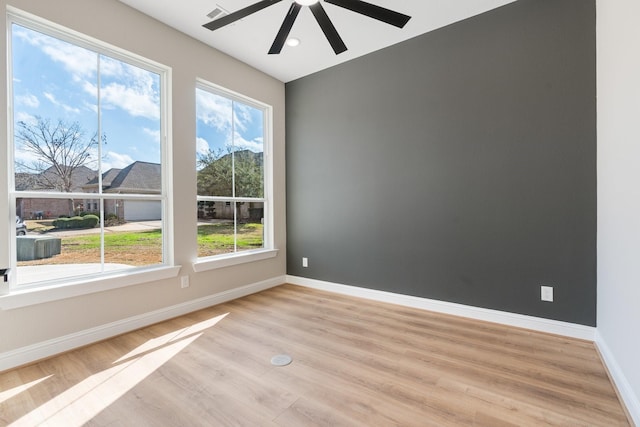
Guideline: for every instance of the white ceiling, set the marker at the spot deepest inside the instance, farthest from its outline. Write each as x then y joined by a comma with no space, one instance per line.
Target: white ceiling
249,39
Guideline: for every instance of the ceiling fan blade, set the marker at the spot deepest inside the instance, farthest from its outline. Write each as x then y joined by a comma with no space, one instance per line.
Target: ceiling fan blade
283,33
327,28
372,11
239,14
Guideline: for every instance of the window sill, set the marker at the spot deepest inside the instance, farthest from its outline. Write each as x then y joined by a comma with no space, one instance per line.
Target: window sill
221,261
77,287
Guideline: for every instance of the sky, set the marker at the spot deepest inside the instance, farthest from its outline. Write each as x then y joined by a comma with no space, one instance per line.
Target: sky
222,123
57,80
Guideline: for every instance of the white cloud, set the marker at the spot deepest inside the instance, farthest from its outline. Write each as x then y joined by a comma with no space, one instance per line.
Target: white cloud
90,107
116,160
216,112
136,103
26,158
154,133
30,100
80,62
21,116
55,102
125,86
213,110
243,116
130,88
202,146
256,145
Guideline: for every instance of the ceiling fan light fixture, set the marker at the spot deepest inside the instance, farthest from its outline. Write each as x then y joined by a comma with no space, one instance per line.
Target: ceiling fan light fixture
306,2
293,42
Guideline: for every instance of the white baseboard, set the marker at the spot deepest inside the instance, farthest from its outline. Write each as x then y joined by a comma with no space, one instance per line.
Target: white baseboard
512,319
42,350
625,391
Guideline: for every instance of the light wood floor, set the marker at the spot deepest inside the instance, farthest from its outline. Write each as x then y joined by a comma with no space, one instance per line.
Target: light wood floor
355,363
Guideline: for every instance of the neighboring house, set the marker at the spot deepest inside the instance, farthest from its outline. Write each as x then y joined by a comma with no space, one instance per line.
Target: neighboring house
92,205
33,208
224,210
137,178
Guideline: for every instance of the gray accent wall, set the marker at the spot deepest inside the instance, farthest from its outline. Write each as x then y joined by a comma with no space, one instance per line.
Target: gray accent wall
458,166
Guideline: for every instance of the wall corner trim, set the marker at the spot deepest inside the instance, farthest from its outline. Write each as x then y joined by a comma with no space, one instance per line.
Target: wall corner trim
628,397
511,319
42,350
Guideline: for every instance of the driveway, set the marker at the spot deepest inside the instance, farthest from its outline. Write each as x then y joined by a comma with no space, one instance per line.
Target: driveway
129,226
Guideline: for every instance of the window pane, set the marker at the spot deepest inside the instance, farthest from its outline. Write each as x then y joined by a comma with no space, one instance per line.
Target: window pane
130,114
220,234
55,112
230,165
216,228
136,244
55,246
250,232
248,148
249,228
214,127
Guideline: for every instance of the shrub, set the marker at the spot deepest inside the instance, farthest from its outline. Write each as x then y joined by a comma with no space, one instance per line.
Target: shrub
87,221
90,220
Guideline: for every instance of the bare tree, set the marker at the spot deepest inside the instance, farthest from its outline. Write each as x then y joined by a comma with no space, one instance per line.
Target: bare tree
59,150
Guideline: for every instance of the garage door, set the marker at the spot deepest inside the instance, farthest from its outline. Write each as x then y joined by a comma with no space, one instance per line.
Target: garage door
141,210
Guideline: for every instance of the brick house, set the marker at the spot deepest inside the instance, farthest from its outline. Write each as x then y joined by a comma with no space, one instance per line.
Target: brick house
47,181
137,178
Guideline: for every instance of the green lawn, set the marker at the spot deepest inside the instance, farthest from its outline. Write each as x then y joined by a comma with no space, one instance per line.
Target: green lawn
145,247
214,239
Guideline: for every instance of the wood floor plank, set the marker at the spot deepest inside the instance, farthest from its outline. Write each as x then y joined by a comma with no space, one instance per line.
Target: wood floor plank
355,362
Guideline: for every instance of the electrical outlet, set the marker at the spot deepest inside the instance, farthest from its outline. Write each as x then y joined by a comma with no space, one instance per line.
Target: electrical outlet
546,293
305,262
184,282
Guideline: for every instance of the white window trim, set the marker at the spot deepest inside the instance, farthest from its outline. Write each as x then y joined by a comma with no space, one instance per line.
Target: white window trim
236,258
268,251
83,285
12,296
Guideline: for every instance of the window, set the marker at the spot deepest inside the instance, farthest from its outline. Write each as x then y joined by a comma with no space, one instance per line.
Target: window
89,155
232,166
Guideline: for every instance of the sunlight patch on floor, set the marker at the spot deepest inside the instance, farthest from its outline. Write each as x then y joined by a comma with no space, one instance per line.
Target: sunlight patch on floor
80,403
165,339
8,394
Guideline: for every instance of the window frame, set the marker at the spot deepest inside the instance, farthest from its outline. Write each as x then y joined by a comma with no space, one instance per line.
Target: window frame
268,250
12,296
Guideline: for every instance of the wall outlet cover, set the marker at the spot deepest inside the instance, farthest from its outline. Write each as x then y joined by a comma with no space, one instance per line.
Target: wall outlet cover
546,293
184,282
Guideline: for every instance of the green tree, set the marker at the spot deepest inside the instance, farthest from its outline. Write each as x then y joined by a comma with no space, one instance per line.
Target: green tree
219,169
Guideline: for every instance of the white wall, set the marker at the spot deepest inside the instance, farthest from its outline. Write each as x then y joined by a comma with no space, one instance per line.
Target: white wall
119,25
618,35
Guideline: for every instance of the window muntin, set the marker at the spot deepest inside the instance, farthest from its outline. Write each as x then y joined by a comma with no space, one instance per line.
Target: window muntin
231,173
96,120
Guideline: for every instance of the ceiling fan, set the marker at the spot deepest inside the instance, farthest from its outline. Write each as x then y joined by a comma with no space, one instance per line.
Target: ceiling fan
371,10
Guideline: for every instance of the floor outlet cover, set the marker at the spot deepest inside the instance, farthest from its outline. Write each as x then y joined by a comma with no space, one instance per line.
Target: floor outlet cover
281,360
